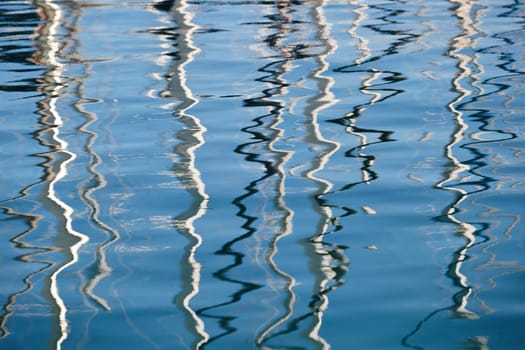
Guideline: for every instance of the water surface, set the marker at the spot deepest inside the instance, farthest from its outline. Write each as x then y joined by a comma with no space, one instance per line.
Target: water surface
262,174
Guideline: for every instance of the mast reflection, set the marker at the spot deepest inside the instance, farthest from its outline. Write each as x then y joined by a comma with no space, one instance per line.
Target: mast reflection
21,206
272,220
463,12
91,185
191,137
467,177
67,241
378,83
61,156
276,217
326,260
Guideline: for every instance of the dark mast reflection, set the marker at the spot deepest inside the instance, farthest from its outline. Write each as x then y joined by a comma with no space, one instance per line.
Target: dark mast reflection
191,138
262,150
327,261
277,218
333,262
14,208
265,133
379,84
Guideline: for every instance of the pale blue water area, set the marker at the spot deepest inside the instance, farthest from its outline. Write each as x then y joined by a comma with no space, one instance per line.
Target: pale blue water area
262,174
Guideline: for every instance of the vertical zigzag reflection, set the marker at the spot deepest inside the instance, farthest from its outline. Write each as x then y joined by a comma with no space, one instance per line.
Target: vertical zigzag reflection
26,195
362,42
191,138
102,267
463,12
51,46
274,179
265,133
97,181
379,84
457,168
333,263
469,15
327,259
466,83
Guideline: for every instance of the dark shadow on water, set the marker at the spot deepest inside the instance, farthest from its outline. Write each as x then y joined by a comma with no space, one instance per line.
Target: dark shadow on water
17,50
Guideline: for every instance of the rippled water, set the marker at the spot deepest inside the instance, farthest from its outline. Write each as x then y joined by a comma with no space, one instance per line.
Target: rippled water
262,174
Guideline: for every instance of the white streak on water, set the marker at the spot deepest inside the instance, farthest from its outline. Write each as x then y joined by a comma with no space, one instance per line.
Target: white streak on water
283,157
324,99
362,46
196,185
462,41
362,42
51,59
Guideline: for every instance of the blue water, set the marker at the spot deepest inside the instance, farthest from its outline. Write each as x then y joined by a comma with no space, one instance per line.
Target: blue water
262,174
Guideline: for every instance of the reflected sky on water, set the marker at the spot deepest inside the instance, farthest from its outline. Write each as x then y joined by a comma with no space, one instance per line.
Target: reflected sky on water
261,174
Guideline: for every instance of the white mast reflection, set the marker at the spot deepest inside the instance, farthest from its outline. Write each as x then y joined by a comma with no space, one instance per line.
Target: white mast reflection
283,156
365,54
192,138
463,12
323,99
51,53
362,42
103,269
323,256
